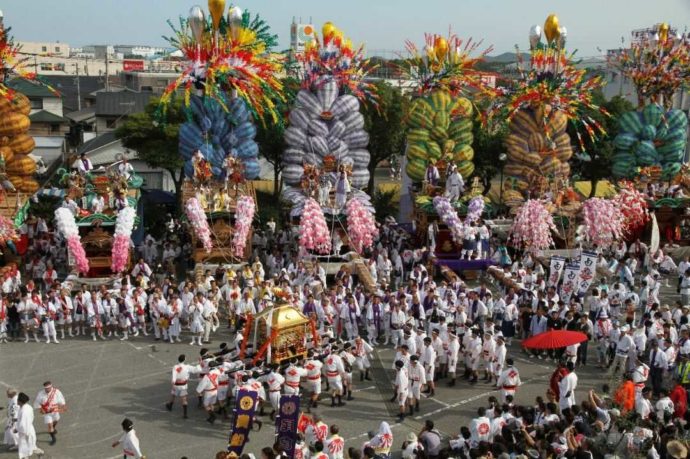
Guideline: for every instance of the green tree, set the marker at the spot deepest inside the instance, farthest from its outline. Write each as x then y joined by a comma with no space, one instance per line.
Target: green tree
156,143
385,125
596,164
269,135
488,145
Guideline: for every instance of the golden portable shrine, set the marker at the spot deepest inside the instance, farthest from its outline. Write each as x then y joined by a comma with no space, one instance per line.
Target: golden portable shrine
278,333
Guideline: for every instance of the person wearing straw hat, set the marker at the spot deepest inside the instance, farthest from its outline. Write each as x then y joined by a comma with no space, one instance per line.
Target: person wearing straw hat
676,449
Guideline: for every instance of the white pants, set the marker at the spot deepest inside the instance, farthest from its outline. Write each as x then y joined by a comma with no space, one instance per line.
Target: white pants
274,398
336,384
362,363
49,329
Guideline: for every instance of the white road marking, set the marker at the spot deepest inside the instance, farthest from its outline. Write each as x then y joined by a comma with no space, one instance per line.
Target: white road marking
359,390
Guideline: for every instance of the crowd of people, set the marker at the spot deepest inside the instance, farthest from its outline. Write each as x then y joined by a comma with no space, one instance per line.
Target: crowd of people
441,329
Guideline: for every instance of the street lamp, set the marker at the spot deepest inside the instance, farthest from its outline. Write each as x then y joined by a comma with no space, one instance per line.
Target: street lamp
502,159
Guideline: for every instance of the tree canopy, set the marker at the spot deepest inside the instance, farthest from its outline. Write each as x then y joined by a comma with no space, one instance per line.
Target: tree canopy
385,125
156,143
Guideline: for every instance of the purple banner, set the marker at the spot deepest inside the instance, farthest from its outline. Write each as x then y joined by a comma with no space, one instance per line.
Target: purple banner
286,423
242,420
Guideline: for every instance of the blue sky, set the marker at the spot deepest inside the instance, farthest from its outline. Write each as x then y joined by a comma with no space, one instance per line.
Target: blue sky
380,24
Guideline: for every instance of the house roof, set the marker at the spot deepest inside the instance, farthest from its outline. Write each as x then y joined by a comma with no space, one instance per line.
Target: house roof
67,86
82,115
31,89
44,116
98,142
121,103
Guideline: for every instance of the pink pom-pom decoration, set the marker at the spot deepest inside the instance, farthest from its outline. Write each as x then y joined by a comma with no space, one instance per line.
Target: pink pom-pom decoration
474,209
532,227
8,232
313,231
361,226
197,218
121,242
633,206
244,215
603,221
67,226
449,216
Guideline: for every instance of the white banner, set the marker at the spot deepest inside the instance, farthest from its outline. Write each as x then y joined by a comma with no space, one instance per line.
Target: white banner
570,282
555,270
588,271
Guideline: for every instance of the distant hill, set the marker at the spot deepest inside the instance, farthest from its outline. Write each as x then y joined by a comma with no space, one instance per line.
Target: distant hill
506,58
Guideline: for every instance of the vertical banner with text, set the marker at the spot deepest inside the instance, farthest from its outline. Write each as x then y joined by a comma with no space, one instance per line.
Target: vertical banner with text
555,270
588,266
242,420
286,424
570,281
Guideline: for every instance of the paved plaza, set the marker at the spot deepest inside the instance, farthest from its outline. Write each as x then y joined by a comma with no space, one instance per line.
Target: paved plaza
106,381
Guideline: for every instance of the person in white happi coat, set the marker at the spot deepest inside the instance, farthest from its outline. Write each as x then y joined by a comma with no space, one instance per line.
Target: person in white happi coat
180,378
313,368
474,354
397,323
51,403
566,388
208,388
488,351
275,382
335,370
175,310
196,321
47,313
508,381
417,375
454,184
26,434
639,377
129,441
362,351
293,375
427,359
402,387
499,361
349,313
10,438
375,314
453,353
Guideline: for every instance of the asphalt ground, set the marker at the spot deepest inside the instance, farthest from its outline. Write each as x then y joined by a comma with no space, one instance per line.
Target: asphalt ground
106,381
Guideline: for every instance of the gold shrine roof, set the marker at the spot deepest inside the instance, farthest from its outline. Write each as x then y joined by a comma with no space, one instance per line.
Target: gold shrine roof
283,316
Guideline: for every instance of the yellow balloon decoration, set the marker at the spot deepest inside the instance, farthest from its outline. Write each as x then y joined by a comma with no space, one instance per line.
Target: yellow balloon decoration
348,44
328,30
216,7
551,28
663,31
440,48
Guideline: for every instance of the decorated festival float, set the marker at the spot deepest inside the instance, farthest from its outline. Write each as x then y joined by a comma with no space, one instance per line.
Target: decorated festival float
99,213
326,161
652,140
439,150
230,78
548,212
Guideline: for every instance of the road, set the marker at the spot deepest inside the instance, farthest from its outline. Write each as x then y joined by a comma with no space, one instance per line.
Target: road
104,382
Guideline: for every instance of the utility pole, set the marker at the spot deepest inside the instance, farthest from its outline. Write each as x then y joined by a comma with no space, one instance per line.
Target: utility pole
107,83
78,87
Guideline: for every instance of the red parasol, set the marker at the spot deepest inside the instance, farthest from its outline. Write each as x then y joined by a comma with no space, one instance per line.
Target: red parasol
554,339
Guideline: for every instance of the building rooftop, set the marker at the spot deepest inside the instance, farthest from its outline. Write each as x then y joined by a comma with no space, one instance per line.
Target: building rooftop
100,141
43,116
82,115
30,89
67,85
121,103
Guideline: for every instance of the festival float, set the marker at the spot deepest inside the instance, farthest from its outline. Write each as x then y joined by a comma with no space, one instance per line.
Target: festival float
652,139
549,95
325,165
439,149
99,213
229,80
17,166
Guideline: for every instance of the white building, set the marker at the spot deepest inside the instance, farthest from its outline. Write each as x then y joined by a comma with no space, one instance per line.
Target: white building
140,50
44,48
